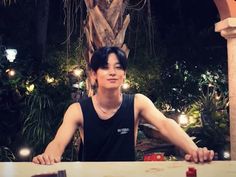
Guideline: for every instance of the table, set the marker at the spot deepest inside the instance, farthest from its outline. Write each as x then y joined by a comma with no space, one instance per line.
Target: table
120,169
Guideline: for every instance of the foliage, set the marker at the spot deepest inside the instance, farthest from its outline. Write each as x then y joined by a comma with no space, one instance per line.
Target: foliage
44,109
179,85
34,104
10,103
217,79
36,126
211,125
145,80
6,154
46,104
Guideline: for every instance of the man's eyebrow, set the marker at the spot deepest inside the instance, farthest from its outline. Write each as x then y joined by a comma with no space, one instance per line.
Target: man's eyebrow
117,63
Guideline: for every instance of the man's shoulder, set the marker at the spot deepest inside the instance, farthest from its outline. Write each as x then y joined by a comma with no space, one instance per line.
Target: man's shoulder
141,100
135,95
77,106
84,100
139,96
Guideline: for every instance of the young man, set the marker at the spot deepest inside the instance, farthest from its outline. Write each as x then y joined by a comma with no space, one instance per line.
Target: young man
108,121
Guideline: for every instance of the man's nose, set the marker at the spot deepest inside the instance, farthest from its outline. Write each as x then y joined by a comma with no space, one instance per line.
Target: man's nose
112,71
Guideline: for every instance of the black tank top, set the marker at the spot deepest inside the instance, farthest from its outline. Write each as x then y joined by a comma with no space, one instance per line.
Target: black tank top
108,140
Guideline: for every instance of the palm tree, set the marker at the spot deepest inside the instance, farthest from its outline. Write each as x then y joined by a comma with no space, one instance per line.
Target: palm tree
105,24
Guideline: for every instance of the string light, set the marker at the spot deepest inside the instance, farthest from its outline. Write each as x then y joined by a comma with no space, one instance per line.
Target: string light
125,86
78,72
183,119
11,72
226,155
49,79
76,85
30,88
210,85
24,152
217,97
11,54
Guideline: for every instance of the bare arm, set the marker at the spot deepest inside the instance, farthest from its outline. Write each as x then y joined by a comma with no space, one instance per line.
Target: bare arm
171,130
53,152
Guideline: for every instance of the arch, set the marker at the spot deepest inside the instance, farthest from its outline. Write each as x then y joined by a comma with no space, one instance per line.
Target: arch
226,8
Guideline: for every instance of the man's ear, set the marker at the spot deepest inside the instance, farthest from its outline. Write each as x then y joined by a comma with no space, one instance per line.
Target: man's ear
93,77
124,76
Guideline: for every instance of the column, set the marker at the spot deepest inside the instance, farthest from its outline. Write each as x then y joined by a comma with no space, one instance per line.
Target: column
227,29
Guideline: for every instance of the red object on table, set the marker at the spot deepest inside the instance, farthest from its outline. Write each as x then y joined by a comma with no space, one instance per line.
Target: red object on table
154,157
192,172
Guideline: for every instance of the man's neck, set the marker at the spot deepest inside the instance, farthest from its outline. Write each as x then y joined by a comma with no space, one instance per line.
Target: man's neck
108,99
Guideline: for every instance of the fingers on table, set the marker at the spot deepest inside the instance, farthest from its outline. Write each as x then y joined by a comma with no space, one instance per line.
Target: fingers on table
207,155
200,155
45,159
188,157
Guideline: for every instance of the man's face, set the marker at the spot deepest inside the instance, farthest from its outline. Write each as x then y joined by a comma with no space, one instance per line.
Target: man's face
111,75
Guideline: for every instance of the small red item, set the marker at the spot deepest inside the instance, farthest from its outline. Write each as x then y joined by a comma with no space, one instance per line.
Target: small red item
192,172
154,157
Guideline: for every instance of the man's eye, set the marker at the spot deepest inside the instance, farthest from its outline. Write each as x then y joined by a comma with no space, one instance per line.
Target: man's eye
104,67
118,67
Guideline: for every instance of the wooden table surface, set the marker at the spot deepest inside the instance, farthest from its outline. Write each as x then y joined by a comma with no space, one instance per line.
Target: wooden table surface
120,169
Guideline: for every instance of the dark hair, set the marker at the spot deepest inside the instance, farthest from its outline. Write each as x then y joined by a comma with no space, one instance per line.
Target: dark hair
100,57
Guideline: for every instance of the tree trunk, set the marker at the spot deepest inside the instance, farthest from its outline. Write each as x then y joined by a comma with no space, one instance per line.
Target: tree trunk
105,25
42,11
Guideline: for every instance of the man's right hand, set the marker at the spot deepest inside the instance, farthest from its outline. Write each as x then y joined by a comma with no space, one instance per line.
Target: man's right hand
45,159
